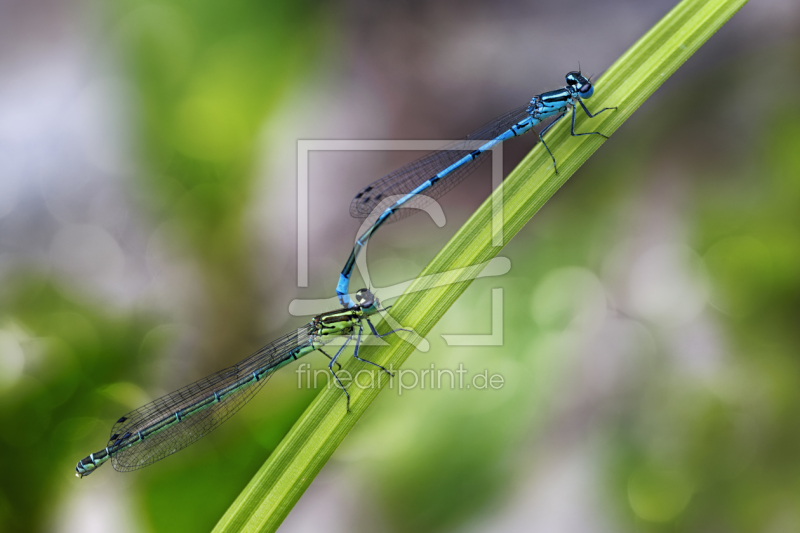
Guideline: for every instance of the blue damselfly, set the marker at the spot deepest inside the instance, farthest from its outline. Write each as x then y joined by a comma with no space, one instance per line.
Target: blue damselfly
433,175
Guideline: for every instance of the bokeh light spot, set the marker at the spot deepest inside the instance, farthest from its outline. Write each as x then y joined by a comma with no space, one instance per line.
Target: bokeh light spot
125,393
658,495
12,359
668,285
569,298
87,252
740,267
162,39
76,429
210,128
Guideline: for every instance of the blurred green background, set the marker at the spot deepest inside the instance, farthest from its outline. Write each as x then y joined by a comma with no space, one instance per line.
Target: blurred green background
148,155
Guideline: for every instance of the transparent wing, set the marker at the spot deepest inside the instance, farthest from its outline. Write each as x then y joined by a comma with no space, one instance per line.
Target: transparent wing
204,405
407,178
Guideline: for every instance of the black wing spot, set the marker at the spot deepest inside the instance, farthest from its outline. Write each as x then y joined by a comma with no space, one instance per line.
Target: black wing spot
367,189
359,195
121,420
365,200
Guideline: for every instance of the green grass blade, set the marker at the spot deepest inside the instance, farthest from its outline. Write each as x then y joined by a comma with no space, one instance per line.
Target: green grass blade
288,472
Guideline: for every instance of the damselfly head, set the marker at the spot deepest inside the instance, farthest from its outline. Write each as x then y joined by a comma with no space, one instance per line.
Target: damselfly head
365,299
578,82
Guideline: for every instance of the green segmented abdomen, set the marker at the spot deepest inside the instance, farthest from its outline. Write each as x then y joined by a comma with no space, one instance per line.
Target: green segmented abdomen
178,419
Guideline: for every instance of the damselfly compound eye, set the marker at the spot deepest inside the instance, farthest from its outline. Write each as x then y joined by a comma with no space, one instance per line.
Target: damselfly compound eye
365,298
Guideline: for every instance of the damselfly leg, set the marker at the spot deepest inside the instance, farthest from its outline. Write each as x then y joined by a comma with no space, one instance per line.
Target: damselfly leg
329,357
358,345
572,129
541,138
330,367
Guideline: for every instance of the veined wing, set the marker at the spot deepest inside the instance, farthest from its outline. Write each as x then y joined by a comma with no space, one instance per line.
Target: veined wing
405,179
172,422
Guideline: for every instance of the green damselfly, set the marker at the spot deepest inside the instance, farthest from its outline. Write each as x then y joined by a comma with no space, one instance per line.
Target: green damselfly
172,422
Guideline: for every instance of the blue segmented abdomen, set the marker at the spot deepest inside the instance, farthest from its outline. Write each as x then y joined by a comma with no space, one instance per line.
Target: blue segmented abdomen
455,160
